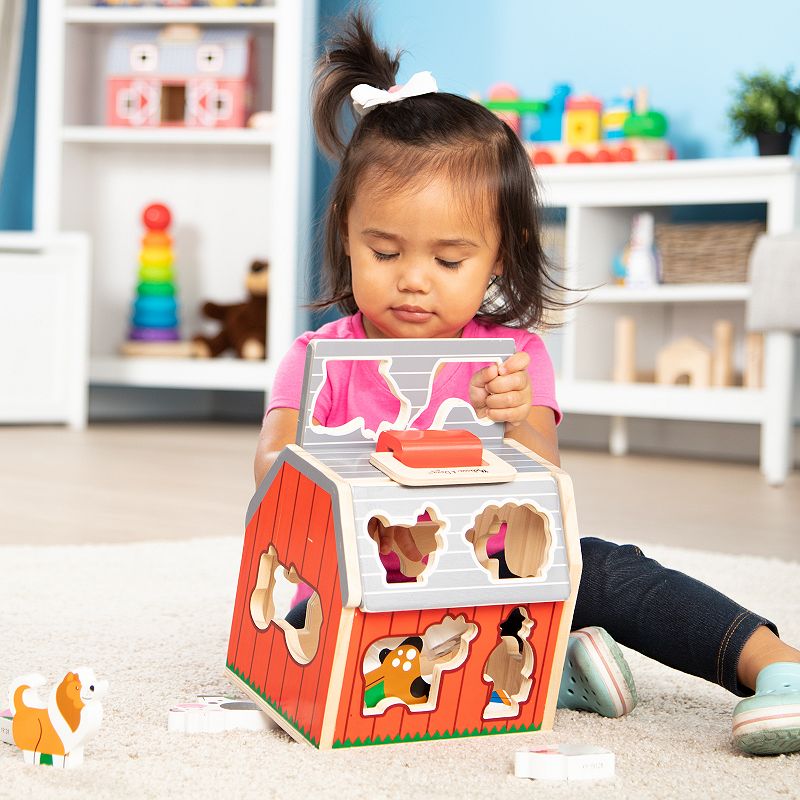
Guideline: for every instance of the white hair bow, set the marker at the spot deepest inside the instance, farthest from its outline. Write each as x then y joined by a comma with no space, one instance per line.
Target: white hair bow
366,97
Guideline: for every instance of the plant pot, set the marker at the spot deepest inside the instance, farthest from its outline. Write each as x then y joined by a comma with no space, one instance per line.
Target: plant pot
771,143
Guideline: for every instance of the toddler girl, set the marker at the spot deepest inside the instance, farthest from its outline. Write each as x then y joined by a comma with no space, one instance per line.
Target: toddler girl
432,232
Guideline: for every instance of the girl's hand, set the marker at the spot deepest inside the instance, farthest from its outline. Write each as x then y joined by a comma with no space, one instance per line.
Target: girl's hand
503,393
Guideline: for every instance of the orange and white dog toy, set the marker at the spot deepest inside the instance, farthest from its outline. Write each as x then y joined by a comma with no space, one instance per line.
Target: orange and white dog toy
54,733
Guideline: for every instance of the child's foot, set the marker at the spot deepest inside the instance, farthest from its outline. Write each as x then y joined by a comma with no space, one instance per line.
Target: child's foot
768,723
596,676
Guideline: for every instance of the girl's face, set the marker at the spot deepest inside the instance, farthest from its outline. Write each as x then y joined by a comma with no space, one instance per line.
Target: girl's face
420,266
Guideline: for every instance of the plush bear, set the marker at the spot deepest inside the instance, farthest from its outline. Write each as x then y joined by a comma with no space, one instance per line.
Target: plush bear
244,325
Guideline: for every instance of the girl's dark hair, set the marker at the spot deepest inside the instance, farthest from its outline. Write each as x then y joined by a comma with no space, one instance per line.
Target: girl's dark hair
432,134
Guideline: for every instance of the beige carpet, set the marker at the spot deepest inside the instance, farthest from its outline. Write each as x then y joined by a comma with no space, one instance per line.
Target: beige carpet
153,619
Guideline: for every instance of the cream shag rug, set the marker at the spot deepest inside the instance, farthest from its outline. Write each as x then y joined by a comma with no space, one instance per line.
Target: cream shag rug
153,619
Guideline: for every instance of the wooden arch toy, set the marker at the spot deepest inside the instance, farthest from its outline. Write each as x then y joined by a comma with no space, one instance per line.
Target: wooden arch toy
470,642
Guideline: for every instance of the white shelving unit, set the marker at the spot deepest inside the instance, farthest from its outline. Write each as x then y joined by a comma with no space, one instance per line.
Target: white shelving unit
600,201
235,194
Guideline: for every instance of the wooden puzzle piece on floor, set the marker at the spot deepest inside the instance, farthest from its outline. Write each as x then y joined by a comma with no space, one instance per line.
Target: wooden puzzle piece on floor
215,714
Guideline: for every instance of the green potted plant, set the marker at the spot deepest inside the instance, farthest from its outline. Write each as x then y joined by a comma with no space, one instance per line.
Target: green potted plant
767,107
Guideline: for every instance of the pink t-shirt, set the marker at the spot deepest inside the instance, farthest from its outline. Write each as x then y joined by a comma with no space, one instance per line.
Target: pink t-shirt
356,388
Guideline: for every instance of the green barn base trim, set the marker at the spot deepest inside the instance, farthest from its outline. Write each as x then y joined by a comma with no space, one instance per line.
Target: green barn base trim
429,737
274,706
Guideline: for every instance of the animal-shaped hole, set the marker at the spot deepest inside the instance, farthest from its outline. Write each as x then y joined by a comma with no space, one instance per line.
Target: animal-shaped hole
512,541
406,551
509,666
283,598
407,670
344,377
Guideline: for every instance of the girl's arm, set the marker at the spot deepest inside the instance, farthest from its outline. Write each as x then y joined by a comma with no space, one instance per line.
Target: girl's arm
279,429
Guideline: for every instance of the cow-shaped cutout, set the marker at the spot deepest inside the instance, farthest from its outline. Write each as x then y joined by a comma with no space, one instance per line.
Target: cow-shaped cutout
407,670
402,565
510,666
512,541
271,600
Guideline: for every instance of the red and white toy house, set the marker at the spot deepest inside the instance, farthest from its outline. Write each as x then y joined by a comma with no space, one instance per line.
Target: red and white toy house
181,75
457,646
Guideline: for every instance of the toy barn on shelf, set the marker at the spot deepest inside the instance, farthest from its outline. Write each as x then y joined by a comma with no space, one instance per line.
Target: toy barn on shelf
467,640
574,129
182,75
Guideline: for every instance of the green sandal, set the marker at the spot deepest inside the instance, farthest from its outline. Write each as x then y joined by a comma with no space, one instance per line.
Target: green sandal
596,676
768,723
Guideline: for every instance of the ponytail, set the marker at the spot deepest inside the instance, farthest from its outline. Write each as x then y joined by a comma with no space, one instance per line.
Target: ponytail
352,57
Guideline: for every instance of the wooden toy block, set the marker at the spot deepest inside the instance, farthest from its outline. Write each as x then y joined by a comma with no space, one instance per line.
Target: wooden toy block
753,360
54,733
565,762
215,714
685,358
6,718
625,350
722,356
466,640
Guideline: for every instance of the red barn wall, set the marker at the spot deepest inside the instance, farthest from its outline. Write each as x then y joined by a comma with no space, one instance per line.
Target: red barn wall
296,517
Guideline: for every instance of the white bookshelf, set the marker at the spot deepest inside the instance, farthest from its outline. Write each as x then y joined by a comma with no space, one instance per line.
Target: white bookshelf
235,194
600,201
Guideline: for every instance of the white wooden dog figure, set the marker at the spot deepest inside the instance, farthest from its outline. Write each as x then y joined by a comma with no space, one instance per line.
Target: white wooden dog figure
55,733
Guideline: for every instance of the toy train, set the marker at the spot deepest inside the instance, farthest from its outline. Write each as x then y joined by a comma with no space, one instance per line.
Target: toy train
573,129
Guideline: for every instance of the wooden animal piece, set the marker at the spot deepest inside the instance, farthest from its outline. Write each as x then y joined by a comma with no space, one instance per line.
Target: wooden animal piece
685,358
509,666
722,356
400,673
527,539
55,733
410,671
564,762
423,535
215,714
625,350
6,720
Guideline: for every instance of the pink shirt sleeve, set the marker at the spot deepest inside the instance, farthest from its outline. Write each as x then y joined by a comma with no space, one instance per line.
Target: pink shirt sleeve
287,385
542,374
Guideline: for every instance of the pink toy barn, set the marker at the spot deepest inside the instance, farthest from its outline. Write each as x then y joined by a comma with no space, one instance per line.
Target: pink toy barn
181,76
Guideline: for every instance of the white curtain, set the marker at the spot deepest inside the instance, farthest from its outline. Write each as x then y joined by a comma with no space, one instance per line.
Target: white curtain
12,19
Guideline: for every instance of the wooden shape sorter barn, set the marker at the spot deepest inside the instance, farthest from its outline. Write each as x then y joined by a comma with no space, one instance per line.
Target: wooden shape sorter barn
461,633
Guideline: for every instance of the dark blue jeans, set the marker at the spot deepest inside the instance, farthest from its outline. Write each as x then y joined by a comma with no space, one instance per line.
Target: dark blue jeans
663,614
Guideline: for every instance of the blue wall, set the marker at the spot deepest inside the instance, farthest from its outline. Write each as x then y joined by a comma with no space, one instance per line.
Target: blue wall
687,52
16,180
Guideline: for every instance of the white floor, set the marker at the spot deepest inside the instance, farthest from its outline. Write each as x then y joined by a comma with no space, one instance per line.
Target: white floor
123,483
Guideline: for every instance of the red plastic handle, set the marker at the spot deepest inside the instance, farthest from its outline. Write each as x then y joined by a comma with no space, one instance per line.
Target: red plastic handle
450,448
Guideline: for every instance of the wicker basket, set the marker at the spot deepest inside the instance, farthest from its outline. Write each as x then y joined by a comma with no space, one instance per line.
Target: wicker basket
706,253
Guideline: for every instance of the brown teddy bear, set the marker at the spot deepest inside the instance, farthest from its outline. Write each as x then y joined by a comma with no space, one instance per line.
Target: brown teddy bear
244,325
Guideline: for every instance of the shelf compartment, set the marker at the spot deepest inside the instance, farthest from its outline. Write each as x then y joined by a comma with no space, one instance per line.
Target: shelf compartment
216,137
671,293
662,402
262,15
181,373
